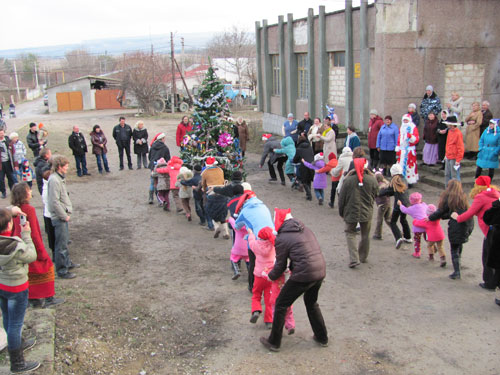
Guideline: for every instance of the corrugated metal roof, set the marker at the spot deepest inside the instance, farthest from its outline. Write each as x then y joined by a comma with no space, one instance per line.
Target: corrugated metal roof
91,78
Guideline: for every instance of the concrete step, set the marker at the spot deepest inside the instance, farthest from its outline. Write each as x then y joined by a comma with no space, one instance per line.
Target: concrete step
437,180
436,170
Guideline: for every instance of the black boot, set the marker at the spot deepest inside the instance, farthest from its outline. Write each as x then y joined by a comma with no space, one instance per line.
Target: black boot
17,363
236,270
455,260
150,201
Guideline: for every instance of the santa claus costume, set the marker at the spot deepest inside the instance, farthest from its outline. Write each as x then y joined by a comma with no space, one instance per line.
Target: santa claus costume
406,152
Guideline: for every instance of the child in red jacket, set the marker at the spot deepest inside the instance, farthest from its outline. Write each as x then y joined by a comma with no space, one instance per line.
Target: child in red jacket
435,235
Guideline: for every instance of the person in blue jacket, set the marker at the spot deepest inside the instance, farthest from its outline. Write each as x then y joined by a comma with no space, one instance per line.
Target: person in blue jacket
489,148
387,140
290,128
287,148
352,141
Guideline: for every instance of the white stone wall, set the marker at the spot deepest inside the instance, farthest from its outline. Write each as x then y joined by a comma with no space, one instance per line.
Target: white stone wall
467,80
336,86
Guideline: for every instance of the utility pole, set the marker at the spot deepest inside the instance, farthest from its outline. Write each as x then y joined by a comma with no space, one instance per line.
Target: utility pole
173,101
17,82
36,76
182,56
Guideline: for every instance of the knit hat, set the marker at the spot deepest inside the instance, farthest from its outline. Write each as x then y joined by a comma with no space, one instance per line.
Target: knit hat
396,169
266,233
430,209
238,190
483,181
290,115
13,135
346,149
331,156
374,112
412,105
318,156
415,198
359,165
266,136
197,168
184,170
237,176
246,186
210,161
280,215
429,87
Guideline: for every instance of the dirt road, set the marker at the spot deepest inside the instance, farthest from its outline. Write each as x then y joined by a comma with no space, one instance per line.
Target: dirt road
154,294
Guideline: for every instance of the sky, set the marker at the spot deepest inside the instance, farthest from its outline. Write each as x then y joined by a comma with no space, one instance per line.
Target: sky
35,23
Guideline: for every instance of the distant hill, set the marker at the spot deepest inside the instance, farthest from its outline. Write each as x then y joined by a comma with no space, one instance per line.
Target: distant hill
116,46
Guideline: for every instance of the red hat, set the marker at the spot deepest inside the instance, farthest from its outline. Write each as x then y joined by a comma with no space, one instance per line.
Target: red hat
359,165
280,216
331,156
266,136
40,125
210,161
246,195
266,233
483,181
156,137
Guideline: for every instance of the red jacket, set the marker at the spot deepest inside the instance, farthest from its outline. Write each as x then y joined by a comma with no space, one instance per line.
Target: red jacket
181,132
172,168
432,229
454,145
373,128
481,203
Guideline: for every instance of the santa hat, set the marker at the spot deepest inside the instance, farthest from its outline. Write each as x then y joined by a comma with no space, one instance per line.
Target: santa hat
331,156
210,161
406,117
396,169
359,165
157,136
267,233
318,156
430,209
266,136
247,195
483,181
280,215
415,198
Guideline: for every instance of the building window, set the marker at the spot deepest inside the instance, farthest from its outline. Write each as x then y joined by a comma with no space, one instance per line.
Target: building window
303,78
338,59
275,63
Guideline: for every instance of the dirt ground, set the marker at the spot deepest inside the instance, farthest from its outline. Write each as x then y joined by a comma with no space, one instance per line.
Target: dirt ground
154,294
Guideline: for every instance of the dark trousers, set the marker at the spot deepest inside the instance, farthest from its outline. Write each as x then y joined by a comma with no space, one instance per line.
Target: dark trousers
289,293
51,235
81,164
307,188
280,163
11,179
333,192
490,276
491,172
396,214
121,148
200,210
374,158
63,261
251,267
144,158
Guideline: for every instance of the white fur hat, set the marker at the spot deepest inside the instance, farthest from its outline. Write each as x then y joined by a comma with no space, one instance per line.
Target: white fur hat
246,186
318,156
396,169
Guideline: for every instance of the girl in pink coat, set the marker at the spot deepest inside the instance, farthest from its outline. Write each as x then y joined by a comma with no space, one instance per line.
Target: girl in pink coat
435,235
239,250
265,256
417,210
173,167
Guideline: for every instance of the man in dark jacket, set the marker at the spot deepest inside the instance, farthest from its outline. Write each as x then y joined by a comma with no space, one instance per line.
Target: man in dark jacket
77,144
122,133
297,242
158,150
304,125
492,218
487,116
305,176
32,140
41,165
271,143
356,199
7,163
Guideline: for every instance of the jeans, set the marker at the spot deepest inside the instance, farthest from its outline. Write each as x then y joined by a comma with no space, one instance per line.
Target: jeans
13,307
61,246
126,147
397,214
272,173
320,193
200,210
51,236
449,171
144,159
81,165
289,293
357,252
104,161
11,178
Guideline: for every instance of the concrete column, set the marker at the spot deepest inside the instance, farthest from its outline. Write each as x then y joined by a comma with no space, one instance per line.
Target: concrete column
323,64
364,83
281,38
349,64
291,62
311,62
268,76
260,83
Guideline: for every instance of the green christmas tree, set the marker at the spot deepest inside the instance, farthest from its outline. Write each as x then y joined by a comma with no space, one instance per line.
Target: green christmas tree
212,134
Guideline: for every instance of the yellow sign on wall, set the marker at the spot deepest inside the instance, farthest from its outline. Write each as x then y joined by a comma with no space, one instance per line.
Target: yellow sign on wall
357,70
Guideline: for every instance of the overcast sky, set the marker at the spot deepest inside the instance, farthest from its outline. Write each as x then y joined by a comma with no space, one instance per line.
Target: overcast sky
35,23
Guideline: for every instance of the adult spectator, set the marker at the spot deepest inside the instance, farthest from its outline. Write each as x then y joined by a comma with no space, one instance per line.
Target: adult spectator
412,111
352,140
290,128
8,165
270,144
314,134
140,137
99,148
305,124
374,126
454,150
430,102
455,105
183,127
243,134
60,208
33,141
41,289
489,149
406,152
297,243
431,154
158,150
42,164
492,218
333,120
78,145
329,141
122,133
387,139
487,116
442,134
472,132
356,199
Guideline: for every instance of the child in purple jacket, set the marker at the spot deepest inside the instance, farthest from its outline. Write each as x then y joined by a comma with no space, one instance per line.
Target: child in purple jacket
320,179
418,211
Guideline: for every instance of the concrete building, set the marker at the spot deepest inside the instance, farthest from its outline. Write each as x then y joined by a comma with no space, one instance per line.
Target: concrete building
378,56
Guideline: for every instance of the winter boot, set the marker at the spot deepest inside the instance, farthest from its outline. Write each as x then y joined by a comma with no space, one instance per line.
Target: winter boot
150,201
17,363
443,262
455,260
416,255
236,270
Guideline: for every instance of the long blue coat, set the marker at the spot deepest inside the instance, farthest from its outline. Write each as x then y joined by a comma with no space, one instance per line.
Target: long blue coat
287,148
489,148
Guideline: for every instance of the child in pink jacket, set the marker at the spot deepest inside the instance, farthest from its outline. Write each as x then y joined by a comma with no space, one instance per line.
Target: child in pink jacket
239,250
173,167
435,235
417,210
265,256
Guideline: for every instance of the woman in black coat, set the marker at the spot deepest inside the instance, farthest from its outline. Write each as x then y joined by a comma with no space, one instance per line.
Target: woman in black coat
492,218
306,175
442,135
140,137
